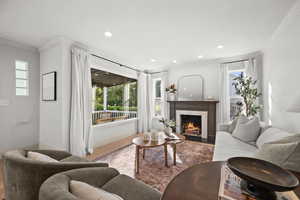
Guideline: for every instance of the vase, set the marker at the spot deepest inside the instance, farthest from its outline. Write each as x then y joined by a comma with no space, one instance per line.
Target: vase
172,96
168,131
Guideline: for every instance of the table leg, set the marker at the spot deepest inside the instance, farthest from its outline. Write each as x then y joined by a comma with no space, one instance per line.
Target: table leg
166,155
137,162
174,153
144,151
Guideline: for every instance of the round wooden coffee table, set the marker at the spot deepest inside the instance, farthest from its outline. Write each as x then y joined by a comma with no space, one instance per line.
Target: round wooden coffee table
140,143
200,182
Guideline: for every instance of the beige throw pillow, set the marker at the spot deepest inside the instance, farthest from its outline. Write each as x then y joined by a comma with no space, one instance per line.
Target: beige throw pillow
276,153
271,135
87,192
247,130
40,157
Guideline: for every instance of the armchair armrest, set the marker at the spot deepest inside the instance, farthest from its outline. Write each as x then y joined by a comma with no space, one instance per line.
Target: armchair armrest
56,154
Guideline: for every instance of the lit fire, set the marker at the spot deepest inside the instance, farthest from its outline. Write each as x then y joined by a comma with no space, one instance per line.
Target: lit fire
191,128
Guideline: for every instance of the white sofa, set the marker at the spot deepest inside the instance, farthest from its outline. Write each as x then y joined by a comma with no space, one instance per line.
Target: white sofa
227,146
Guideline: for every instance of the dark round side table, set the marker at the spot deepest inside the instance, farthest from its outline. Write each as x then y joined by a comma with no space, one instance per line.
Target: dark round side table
200,182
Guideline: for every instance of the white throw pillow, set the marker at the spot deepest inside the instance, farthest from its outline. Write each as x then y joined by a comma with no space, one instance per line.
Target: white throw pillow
271,135
40,157
234,122
247,130
284,152
87,192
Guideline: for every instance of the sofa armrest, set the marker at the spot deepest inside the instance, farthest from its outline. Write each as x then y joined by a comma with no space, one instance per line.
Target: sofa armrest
224,127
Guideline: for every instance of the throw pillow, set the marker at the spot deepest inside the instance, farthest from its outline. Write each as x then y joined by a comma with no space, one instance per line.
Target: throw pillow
233,124
276,153
271,135
40,157
284,152
247,130
87,192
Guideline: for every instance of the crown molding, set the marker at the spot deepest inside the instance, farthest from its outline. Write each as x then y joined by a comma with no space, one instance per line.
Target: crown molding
17,44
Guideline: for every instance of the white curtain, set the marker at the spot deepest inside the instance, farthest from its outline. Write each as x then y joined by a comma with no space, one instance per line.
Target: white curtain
143,102
224,94
81,103
251,69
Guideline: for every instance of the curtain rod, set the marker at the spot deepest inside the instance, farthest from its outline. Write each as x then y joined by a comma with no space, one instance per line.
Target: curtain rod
243,60
121,65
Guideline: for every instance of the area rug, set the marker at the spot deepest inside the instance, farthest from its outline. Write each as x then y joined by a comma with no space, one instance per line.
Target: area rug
152,169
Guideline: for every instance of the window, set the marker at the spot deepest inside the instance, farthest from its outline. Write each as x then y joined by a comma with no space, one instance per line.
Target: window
157,97
235,99
22,85
114,97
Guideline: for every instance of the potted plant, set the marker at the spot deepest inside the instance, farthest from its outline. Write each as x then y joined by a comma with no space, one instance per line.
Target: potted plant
171,90
246,87
168,125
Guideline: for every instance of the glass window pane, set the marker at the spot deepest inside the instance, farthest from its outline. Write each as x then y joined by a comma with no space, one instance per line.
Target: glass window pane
21,91
21,83
157,108
21,65
158,89
21,74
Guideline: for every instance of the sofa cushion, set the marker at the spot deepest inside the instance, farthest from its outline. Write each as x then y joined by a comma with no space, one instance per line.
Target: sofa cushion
87,192
271,135
284,152
247,130
40,157
131,189
74,159
276,153
227,146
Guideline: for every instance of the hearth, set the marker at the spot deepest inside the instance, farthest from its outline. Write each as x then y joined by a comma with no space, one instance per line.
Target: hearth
191,125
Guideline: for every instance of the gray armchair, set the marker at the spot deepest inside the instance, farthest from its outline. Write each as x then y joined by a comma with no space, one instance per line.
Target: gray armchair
23,177
57,187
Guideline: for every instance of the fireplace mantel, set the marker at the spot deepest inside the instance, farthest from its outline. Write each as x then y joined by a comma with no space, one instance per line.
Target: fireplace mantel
203,105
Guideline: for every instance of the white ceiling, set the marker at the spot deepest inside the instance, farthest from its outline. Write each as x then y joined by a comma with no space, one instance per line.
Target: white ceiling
165,30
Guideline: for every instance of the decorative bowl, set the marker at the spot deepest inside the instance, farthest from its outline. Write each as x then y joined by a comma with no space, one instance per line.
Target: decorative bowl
261,178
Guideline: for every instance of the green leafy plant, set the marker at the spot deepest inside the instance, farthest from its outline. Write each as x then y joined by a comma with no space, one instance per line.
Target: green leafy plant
246,88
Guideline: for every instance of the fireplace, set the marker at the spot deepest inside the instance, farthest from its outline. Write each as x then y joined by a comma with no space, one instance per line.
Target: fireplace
191,125
202,115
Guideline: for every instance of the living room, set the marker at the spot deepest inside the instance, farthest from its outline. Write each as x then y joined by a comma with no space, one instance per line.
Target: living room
171,95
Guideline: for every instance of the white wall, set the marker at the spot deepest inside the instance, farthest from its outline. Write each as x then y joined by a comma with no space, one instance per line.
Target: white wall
19,115
281,72
114,131
54,115
209,70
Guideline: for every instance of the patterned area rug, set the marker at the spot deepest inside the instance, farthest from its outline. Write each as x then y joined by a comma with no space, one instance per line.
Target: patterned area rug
152,169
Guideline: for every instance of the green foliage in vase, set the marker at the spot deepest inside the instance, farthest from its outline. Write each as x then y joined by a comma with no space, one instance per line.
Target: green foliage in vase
246,88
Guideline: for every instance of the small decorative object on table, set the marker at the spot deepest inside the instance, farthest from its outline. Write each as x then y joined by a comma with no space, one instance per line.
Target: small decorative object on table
146,136
252,179
168,126
171,90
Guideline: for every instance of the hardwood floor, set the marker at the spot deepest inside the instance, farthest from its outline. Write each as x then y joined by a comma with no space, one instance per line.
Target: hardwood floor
100,151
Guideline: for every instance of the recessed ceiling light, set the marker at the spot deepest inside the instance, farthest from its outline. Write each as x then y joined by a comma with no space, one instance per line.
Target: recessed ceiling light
153,60
107,34
200,57
220,46
174,61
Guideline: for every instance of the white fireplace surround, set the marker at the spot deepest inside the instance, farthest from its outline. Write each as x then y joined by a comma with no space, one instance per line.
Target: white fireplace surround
203,115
